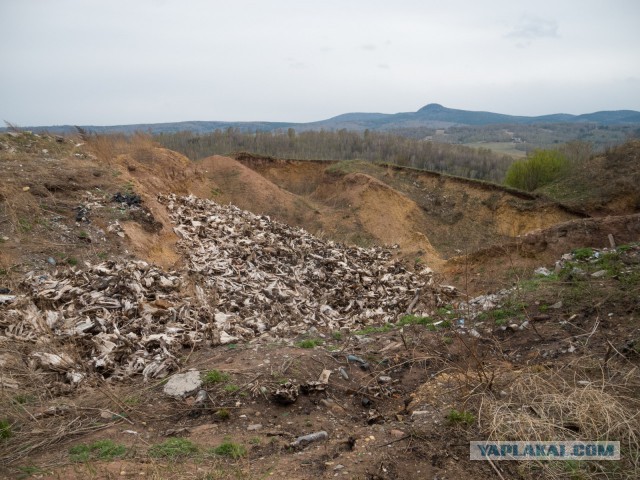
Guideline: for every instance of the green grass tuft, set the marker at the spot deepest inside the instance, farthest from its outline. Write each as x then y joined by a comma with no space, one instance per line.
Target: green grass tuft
100,449
310,343
454,416
230,449
5,430
215,376
173,448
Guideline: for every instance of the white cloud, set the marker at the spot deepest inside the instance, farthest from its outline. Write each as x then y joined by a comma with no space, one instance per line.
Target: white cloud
531,28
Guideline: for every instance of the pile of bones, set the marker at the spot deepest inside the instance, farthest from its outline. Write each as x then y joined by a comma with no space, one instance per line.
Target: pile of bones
246,278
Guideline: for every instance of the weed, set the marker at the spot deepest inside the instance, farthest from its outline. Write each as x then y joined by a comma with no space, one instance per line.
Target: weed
255,441
215,376
457,417
583,253
29,471
369,330
100,449
414,320
310,343
83,234
103,255
337,335
173,448
25,225
72,261
230,449
5,430
231,388
128,188
223,414
23,398
132,400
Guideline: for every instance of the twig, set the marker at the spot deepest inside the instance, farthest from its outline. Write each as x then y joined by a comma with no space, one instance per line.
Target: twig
495,468
394,441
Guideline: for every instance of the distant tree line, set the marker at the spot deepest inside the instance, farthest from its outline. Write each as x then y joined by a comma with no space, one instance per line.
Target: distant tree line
476,163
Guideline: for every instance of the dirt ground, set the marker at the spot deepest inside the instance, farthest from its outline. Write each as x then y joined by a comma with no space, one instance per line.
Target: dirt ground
553,354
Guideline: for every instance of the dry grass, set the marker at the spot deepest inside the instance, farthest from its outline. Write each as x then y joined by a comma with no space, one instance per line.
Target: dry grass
107,147
543,405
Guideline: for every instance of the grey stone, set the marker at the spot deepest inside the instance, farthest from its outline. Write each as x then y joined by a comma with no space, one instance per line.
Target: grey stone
542,271
183,384
599,274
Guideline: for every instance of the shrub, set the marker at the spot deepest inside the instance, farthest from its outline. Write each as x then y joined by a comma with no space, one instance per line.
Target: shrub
541,168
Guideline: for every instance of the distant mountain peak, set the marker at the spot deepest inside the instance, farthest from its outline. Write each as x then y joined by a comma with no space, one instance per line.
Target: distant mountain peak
432,107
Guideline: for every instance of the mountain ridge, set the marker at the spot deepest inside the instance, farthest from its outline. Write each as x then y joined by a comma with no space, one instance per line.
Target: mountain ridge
432,115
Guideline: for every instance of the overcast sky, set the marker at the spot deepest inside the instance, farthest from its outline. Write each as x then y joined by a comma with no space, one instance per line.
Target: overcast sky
146,61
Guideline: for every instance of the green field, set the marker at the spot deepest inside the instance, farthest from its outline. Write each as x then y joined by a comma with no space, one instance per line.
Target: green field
506,148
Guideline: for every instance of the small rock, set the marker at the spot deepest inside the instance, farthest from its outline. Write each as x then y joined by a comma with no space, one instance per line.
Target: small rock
255,426
556,306
343,373
599,274
307,439
545,272
51,261
396,433
384,379
183,384
201,398
25,189
419,413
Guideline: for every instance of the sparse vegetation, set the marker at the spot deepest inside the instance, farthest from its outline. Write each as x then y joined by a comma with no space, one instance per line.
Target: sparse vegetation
223,414
230,449
173,448
310,343
215,376
98,450
231,388
460,417
5,430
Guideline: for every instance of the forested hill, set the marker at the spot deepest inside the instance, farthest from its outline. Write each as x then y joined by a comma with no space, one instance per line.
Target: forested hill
429,116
